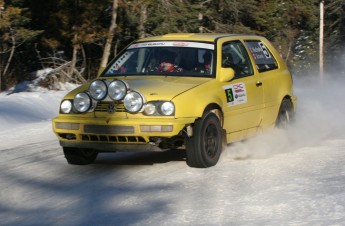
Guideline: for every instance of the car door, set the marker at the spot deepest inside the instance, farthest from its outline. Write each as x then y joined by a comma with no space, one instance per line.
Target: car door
273,78
243,95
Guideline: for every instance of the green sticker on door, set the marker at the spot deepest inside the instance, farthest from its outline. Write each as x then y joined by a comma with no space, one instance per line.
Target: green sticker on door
235,94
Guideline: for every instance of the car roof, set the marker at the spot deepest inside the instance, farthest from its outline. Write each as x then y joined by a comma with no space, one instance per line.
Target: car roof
209,37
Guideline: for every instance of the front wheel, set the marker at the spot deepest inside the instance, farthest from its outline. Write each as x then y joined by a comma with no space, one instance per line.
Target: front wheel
79,156
205,146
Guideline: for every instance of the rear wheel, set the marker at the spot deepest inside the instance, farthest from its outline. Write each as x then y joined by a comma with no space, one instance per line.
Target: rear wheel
79,156
205,146
286,114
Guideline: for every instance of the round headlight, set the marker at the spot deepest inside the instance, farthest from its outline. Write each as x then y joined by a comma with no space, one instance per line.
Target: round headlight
98,89
150,109
133,102
167,108
66,106
82,102
117,90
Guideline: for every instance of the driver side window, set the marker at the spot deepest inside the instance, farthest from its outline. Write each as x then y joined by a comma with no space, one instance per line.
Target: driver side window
234,55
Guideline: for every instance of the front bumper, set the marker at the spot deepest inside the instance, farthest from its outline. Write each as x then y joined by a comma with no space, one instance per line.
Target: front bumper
109,134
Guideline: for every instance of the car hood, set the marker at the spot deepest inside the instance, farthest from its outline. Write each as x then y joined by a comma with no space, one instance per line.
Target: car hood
153,87
163,87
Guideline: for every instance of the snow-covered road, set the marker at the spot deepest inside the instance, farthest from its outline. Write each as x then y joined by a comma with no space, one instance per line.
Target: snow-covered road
294,177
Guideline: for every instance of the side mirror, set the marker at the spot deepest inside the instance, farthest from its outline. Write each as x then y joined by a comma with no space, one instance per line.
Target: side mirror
226,74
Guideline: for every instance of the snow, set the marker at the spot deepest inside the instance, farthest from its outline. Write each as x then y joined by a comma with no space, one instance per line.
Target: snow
291,177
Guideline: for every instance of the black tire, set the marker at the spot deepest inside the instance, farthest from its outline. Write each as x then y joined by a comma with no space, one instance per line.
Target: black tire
205,146
79,156
286,114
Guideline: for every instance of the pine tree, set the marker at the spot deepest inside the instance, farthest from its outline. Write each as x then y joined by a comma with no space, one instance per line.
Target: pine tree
335,33
13,33
292,27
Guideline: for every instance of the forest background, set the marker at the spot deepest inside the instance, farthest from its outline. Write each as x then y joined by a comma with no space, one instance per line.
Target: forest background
73,39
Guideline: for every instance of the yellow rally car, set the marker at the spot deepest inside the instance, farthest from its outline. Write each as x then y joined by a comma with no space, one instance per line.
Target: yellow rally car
196,92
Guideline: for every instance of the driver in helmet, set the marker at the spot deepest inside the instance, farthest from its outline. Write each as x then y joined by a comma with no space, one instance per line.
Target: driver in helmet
167,63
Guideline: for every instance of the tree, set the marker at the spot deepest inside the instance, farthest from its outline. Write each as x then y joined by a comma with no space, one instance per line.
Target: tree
110,35
139,9
75,32
335,33
167,16
13,33
227,16
292,27
79,36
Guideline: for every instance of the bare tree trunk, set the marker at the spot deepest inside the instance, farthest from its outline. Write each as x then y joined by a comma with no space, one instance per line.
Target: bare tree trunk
74,60
142,20
0,73
110,36
11,55
200,18
0,79
288,53
83,66
39,56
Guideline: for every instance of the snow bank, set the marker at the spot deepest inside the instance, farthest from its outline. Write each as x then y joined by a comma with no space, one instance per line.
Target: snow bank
28,107
25,117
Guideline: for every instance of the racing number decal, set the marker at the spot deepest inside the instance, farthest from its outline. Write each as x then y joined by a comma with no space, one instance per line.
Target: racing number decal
235,94
229,95
264,50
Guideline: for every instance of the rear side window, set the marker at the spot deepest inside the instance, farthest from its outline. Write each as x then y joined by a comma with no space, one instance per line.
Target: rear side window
264,60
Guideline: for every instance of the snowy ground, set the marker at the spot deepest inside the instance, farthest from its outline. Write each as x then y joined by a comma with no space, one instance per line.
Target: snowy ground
294,177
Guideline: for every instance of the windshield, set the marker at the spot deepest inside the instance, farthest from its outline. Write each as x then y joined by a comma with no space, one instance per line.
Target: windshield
164,58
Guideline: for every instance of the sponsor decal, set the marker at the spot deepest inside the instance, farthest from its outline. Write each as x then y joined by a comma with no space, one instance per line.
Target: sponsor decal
172,44
235,94
264,50
119,63
259,52
182,44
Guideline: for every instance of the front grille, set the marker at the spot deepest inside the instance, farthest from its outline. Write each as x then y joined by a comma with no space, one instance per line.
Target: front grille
113,139
101,129
103,106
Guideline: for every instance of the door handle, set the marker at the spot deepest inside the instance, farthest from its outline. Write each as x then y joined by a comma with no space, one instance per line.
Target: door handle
258,84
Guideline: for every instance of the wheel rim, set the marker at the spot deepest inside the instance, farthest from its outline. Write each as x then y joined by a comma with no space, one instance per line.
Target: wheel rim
284,117
211,141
